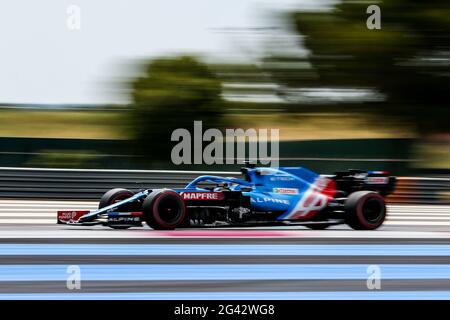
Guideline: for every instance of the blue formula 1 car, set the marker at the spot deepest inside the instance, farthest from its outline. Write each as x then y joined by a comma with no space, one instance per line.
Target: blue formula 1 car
265,196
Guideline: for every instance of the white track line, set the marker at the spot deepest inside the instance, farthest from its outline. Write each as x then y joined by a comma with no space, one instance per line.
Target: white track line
28,221
44,212
416,223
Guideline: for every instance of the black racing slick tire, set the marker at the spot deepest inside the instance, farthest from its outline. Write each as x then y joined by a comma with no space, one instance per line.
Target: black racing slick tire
164,210
116,195
365,210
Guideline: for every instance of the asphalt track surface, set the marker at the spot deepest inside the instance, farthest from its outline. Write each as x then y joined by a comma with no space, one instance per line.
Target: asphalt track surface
38,259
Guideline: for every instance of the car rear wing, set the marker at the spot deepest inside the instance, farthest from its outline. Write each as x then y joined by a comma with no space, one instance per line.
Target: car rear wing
356,180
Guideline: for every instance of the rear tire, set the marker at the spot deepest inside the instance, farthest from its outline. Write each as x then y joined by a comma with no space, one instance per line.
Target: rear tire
164,210
365,210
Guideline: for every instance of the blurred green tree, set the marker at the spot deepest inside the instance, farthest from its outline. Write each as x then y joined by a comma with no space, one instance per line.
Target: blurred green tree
407,60
172,93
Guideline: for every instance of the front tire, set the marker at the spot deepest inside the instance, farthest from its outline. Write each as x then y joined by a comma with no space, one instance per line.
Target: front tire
116,195
365,210
164,210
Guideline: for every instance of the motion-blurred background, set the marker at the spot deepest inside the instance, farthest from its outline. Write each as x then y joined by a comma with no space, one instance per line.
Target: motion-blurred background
87,85
109,93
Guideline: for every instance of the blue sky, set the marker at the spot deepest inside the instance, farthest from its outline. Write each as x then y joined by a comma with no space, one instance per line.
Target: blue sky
42,61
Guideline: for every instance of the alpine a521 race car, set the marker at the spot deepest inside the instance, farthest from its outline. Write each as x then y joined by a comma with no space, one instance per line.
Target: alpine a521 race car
266,196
